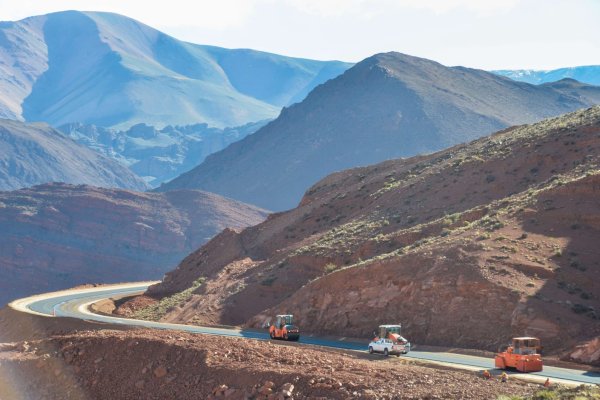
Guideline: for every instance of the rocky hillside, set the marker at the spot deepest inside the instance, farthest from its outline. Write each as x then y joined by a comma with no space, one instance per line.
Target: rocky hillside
110,70
586,74
57,236
465,247
177,365
387,106
32,154
158,155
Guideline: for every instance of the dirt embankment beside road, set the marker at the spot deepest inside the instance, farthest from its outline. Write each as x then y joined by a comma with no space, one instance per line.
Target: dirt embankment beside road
174,365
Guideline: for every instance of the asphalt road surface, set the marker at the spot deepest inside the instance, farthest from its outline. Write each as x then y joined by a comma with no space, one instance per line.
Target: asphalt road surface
74,303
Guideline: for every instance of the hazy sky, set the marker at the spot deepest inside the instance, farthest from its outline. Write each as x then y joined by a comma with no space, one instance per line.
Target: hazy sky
486,34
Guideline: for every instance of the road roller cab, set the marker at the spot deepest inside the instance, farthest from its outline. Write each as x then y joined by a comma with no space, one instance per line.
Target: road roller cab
284,328
523,355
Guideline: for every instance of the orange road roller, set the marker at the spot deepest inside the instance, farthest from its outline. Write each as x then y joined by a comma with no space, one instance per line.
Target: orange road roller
524,355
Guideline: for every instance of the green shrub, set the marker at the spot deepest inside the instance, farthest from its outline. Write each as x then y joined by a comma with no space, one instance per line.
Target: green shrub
558,253
545,395
329,268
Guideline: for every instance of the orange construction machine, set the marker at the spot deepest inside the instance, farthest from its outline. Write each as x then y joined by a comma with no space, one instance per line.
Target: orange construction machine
284,328
392,332
524,355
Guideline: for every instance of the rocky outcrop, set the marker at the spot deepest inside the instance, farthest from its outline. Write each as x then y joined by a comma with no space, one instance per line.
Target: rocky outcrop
33,154
587,353
158,155
466,247
57,236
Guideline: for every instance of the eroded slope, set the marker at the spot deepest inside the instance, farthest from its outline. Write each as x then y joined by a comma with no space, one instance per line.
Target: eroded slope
467,246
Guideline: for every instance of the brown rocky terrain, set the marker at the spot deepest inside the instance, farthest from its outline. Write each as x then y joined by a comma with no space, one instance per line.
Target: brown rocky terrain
465,247
175,365
57,235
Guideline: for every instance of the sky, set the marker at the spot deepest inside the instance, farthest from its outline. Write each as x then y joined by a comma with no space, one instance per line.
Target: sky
487,34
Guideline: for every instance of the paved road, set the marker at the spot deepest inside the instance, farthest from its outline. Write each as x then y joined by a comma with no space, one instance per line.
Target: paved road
74,303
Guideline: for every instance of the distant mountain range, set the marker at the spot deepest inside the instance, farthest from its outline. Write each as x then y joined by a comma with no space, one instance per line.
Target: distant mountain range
32,154
112,71
587,74
387,106
158,155
56,236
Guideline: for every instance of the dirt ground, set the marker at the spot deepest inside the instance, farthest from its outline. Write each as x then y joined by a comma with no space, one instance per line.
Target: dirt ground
172,365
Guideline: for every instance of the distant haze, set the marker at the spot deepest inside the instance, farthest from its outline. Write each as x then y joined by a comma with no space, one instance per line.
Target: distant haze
491,34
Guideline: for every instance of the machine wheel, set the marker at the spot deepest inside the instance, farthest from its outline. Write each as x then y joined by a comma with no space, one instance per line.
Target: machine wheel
499,362
370,349
386,352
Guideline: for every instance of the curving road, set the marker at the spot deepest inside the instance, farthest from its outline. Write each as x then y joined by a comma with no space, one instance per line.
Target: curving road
75,303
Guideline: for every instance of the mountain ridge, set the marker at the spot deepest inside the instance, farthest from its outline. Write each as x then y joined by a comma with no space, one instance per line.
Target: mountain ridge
35,153
110,70
387,106
589,74
55,236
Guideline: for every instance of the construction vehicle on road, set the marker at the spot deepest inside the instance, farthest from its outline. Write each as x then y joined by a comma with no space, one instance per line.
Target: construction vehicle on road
284,328
387,347
392,332
524,355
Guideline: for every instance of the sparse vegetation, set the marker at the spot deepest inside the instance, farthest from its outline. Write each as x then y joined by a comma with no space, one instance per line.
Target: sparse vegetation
583,392
483,236
329,268
491,223
558,252
156,311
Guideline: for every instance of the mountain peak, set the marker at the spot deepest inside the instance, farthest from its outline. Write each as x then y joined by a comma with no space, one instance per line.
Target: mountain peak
390,105
110,70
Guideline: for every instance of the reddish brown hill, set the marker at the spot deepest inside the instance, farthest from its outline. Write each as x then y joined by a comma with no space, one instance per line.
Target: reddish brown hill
465,247
58,235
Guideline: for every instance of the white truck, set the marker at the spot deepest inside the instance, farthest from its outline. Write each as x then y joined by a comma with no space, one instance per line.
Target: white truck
387,347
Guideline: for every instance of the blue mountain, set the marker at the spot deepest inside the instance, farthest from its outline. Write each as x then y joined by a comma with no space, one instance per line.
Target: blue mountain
387,106
587,74
112,71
